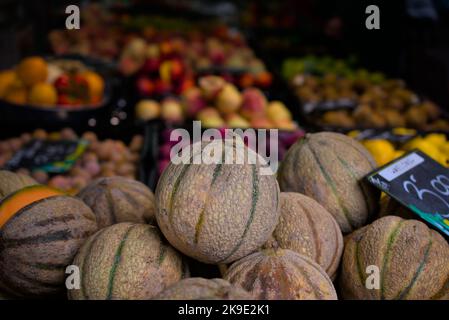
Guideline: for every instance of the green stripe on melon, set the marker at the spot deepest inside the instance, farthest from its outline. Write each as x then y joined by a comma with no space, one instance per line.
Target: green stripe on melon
330,168
413,261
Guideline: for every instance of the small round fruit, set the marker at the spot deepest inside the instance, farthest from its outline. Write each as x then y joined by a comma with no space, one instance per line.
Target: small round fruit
43,94
148,110
32,70
7,78
95,84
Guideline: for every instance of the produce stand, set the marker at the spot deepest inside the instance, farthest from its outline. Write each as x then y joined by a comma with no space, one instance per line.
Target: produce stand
342,192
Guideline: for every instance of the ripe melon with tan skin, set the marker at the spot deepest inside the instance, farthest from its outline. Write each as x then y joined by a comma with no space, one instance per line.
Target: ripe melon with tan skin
11,182
330,168
217,213
413,261
126,261
119,199
40,232
309,229
281,274
204,289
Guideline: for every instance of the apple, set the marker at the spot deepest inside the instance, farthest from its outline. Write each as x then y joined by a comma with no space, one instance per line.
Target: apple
148,110
285,124
171,111
152,51
193,101
128,66
185,85
254,103
214,122
145,86
176,70
62,83
162,87
206,113
151,66
264,79
234,120
246,80
261,123
211,86
229,99
166,48
277,111
217,56
165,71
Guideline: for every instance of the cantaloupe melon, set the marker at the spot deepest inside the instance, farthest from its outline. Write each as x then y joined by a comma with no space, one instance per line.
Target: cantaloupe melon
11,182
126,261
281,274
309,229
203,289
217,213
119,199
16,201
330,167
40,239
409,261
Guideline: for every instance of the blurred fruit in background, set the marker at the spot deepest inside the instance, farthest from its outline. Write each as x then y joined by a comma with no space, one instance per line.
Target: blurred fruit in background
103,158
357,98
43,94
32,70
55,83
7,78
435,145
219,104
284,141
148,110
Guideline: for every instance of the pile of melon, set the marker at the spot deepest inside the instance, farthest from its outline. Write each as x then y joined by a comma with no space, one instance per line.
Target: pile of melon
310,232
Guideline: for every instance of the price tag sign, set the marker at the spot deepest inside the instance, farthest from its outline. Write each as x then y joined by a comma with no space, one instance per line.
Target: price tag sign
49,156
419,183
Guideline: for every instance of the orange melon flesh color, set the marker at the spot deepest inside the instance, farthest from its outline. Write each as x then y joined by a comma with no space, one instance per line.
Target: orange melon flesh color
22,198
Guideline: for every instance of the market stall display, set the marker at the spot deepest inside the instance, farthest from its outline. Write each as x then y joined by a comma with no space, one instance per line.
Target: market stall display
133,177
99,158
165,144
335,95
55,83
25,213
219,104
390,145
118,199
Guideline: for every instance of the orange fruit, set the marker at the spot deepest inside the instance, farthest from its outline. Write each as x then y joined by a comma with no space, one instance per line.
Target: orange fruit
43,94
7,78
16,92
32,70
95,84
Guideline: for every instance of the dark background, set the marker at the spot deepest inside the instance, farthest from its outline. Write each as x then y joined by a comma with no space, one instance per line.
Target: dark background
410,46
